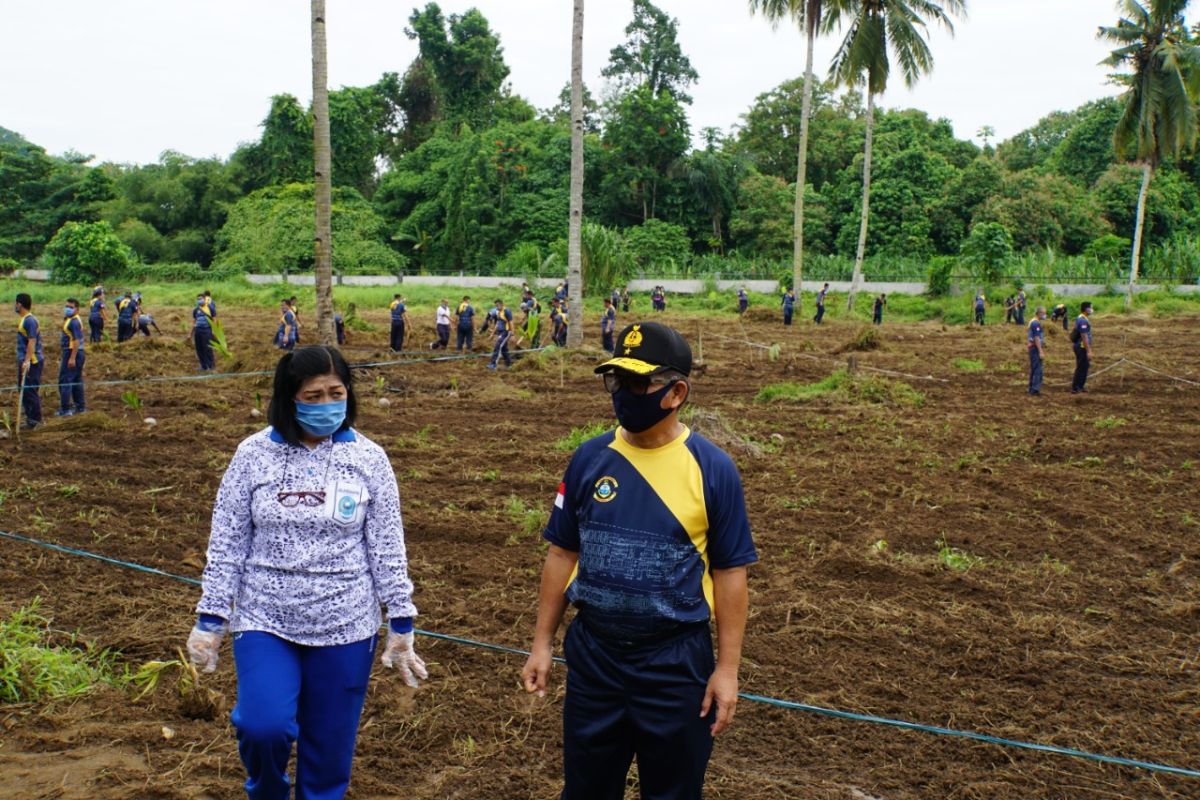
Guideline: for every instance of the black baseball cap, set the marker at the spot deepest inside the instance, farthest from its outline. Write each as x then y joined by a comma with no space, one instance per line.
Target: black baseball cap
645,348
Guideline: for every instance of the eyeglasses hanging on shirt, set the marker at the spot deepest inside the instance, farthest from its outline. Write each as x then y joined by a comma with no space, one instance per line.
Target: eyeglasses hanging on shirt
307,498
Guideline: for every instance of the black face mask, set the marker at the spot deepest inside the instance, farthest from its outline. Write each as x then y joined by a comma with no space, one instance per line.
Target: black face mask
640,412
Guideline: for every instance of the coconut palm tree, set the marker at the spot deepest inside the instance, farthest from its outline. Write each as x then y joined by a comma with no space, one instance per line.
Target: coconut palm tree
877,31
807,14
1159,116
575,226
321,178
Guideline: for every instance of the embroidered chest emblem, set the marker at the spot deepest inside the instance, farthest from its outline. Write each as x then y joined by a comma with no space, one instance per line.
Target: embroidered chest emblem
605,489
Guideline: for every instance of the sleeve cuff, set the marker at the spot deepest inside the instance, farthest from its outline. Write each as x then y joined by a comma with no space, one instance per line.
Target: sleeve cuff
212,623
400,624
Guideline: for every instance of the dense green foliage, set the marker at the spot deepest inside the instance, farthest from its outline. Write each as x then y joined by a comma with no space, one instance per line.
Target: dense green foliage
439,167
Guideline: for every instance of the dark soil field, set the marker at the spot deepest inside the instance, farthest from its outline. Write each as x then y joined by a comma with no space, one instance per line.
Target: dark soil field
1023,567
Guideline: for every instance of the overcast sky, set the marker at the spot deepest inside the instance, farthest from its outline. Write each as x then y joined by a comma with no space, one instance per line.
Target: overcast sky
127,79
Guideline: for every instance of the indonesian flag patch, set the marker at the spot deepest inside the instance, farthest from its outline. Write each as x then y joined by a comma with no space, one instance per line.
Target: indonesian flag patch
558,498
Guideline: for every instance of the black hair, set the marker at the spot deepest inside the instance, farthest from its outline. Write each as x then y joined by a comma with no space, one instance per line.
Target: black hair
207,293
25,301
291,373
73,301
97,292
465,298
395,297
1085,306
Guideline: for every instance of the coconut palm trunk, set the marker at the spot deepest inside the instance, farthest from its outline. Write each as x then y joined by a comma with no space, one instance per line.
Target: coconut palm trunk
860,254
575,223
1138,230
322,157
810,23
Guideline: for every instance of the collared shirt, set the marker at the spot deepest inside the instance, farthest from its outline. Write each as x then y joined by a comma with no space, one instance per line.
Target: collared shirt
649,527
27,328
314,575
443,315
1085,330
1036,334
398,310
72,333
466,315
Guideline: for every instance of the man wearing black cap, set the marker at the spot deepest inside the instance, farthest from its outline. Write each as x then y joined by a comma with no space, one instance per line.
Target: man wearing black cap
649,538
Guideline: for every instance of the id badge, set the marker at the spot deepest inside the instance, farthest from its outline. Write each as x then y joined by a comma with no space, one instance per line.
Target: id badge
346,503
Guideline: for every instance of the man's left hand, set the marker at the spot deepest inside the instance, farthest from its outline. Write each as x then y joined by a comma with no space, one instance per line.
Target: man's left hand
723,690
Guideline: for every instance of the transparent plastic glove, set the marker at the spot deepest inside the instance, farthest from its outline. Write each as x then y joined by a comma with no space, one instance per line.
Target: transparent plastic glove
204,644
398,652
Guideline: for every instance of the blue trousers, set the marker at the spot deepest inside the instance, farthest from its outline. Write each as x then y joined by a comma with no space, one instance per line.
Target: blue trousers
96,324
645,701
292,693
606,341
31,401
465,336
397,340
820,313
204,350
1079,380
501,349
1035,371
71,396
787,316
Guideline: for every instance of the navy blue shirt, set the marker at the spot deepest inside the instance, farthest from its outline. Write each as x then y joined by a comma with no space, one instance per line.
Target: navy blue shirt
125,308
200,315
466,315
649,527
1085,331
97,305
789,301
503,320
72,330
27,328
1036,334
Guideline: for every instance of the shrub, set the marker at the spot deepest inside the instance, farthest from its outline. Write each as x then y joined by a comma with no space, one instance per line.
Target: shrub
8,265
988,248
941,269
86,253
524,260
1109,248
655,242
844,386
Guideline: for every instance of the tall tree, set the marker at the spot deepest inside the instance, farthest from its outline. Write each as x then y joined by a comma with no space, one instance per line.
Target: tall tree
876,31
651,55
575,223
466,60
807,14
1158,118
323,186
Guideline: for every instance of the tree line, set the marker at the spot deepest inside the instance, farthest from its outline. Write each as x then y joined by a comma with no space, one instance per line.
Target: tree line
444,168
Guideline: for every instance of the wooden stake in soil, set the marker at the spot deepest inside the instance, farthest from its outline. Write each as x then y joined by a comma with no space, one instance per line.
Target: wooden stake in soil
20,397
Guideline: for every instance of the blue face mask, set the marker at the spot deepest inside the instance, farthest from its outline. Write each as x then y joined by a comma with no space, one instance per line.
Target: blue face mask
640,412
321,419
68,311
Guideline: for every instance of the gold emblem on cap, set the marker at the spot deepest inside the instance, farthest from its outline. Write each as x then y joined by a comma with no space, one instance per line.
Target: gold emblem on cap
633,338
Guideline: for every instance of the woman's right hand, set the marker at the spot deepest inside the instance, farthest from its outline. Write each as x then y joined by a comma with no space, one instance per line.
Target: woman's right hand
203,646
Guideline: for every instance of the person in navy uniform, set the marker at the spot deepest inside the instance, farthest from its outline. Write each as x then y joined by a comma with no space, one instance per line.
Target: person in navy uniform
502,333
743,301
821,304
789,305
29,360
625,300
1022,302
97,315
464,329
980,307
202,334
1059,314
288,333
399,322
70,371
608,325
650,540
1010,309
339,325
1035,340
126,307
1081,342
880,304
658,299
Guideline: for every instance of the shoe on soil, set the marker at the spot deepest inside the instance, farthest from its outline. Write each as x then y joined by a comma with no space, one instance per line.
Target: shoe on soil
491,366
65,412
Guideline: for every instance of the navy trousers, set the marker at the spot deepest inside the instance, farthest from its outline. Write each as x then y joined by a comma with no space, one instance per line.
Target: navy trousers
501,349
397,336
1035,371
465,336
292,693
623,702
204,350
31,401
124,330
820,313
70,384
443,340
96,324
606,341
1081,369
787,316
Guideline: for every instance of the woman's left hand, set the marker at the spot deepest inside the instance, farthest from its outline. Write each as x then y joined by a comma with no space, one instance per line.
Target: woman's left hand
398,652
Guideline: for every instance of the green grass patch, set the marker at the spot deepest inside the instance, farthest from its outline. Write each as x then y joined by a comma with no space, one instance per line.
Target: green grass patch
527,522
33,669
953,558
968,365
578,436
1111,422
844,387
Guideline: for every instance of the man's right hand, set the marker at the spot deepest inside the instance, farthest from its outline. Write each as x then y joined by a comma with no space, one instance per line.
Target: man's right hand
536,674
